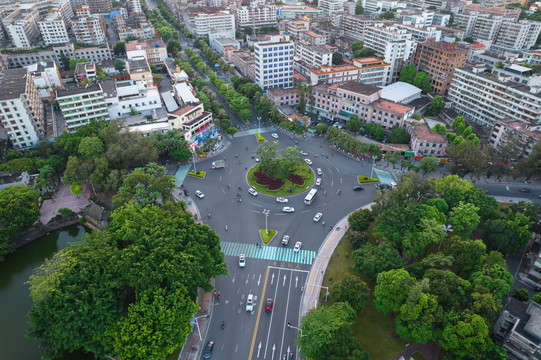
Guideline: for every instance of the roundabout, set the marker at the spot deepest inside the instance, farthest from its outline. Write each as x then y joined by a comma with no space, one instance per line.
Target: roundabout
293,184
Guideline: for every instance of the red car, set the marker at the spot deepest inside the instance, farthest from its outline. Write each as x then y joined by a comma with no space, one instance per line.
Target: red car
268,305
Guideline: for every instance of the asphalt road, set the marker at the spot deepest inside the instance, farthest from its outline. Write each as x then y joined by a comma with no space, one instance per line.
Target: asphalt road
261,335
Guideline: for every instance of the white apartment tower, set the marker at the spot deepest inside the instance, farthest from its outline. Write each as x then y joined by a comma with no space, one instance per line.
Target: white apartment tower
331,7
89,30
256,16
53,29
135,6
81,105
209,22
21,110
274,62
21,27
395,45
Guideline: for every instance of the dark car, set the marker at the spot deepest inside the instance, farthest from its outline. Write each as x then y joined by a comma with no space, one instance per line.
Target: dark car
208,350
358,188
268,305
525,190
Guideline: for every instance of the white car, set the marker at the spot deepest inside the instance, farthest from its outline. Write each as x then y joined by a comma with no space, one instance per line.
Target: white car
304,153
252,191
250,303
274,135
199,194
285,240
319,172
257,160
242,261
308,161
297,247
282,200
318,217
318,181
288,209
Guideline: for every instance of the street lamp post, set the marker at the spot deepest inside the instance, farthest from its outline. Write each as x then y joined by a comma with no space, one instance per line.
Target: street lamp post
373,164
266,212
259,118
296,328
445,228
193,158
197,324
324,287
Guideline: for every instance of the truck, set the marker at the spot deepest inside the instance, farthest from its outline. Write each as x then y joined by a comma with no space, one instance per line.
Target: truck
218,164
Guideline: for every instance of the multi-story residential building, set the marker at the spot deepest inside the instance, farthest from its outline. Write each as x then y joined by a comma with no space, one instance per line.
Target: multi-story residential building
424,142
21,27
125,97
351,25
196,124
135,6
506,129
245,63
314,38
533,57
221,43
205,21
46,77
331,7
256,16
416,18
378,6
139,70
441,19
125,32
484,97
281,97
295,27
517,36
439,60
513,14
296,11
502,3
89,30
395,45
21,110
369,70
478,25
154,50
313,55
420,33
81,105
100,6
274,63
517,73
53,29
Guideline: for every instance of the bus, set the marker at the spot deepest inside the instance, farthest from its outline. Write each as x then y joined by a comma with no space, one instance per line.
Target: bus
310,197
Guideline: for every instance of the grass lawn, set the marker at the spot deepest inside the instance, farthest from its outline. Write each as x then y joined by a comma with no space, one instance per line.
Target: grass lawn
502,209
373,329
281,192
265,238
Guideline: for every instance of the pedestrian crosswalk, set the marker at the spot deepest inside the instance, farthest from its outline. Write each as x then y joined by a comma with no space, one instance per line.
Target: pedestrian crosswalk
268,252
242,133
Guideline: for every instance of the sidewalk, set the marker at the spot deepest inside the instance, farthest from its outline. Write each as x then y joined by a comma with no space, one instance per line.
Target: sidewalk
313,287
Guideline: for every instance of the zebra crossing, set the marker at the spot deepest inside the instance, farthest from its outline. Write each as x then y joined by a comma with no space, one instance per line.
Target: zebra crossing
242,133
268,252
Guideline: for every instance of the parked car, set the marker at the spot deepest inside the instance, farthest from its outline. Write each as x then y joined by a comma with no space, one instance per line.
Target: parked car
252,191
318,181
250,303
308,161
319,172
285,240
297,247
274,135
199,194
242,261
268,305
318,217
304,153
358,188
208,350
282,200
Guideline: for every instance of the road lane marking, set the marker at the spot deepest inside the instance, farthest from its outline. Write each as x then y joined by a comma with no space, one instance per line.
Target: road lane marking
258,316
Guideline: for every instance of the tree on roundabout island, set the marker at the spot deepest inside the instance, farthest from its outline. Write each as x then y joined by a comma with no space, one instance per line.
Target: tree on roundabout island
283,174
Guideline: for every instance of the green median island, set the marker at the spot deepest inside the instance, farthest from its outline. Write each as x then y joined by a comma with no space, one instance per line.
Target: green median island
366,179
268,235
259,137
198,174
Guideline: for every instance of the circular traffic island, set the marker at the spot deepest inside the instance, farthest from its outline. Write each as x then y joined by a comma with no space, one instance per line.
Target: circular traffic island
281,183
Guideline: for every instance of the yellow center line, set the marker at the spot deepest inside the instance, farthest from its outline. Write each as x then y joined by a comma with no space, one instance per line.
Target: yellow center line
258,314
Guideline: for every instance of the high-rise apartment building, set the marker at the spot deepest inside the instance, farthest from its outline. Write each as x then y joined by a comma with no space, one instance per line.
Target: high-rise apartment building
21,110
369,70
135,6
53,29
331,7
81,105
517,36
395,45
100,6
254,17
90,30
484,97
274,62
154,50
497,11
351,25
439,60
21,27
209,21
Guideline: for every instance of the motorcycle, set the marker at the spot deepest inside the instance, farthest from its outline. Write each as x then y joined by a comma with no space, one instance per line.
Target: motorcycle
226,228
223,325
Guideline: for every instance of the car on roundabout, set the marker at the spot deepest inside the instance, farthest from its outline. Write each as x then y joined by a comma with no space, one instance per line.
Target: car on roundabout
268,305
274,135
318,181
199,194
304,153
308,161
297,247
285,240
358,188
282,200
252,191
318,217
288,209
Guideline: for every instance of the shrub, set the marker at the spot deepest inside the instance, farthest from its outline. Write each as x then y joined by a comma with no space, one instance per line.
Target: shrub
296,179
521,294
366,179
266,239
259,137
65,212
357,239
199,174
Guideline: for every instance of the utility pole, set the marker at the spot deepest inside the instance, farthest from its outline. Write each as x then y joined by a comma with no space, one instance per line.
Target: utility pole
266,212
